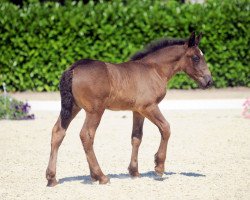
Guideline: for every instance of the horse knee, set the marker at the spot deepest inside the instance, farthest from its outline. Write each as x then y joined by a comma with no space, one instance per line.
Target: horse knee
87,139
165,130
58,133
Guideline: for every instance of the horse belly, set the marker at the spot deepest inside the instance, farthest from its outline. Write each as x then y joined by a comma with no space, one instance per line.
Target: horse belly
120,104
121,98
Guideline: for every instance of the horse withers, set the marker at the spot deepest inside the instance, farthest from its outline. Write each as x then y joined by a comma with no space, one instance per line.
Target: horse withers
137,85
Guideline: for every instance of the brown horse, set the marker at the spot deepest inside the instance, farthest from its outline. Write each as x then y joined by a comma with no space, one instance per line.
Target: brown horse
137,85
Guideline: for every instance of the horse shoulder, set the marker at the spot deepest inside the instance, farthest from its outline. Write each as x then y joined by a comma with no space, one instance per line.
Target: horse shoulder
151,85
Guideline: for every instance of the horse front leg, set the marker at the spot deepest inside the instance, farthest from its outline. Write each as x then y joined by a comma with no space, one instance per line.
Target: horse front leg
136,138
154,114
87,136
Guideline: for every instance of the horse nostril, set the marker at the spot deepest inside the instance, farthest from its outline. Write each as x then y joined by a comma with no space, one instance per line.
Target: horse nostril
210,82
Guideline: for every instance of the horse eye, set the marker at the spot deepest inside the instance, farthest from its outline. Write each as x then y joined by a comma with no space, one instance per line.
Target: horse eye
196,58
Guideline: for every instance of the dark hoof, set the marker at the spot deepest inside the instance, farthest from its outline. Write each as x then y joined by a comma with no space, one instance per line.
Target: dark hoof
93,177
133,173
52,183
159,171
104,180
159,174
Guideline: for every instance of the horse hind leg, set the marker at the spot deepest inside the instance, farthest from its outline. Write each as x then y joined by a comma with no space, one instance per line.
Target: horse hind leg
87,136
58,133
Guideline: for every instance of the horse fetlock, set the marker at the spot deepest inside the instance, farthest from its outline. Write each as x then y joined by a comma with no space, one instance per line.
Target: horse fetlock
50,174
51,177
156,159
159,166
159,158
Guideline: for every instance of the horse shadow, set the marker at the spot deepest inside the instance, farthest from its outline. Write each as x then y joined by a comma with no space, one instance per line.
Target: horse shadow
150,174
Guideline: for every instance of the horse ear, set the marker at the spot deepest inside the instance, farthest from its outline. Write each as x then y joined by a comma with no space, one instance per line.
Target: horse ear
191,40
198,39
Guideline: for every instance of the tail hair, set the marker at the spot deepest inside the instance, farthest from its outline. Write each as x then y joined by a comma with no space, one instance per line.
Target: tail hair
67,99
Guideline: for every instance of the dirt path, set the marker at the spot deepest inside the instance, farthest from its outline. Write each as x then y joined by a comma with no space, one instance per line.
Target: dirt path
208,158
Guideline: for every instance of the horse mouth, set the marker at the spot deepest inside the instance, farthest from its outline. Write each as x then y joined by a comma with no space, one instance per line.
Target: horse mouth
205,82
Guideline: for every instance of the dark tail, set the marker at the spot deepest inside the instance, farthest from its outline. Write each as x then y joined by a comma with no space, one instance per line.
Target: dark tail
67,99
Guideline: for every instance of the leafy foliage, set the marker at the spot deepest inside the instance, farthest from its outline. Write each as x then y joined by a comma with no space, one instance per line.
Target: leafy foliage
39,41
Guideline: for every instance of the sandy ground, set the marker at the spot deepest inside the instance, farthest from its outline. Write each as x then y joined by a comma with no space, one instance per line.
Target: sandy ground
208,158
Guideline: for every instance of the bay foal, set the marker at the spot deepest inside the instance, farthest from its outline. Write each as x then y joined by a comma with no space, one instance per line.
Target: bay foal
137,85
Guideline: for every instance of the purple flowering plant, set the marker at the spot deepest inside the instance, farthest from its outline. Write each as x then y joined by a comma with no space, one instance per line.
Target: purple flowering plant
11,108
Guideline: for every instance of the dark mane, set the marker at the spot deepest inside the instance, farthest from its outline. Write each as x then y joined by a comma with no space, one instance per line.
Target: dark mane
157,45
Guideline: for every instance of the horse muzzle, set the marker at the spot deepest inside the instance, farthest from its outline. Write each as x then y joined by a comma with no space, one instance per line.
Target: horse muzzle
207,82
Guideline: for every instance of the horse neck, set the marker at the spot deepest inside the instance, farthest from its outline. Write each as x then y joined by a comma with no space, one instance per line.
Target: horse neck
167,60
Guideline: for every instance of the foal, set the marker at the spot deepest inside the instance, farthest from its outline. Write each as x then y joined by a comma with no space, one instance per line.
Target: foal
137,85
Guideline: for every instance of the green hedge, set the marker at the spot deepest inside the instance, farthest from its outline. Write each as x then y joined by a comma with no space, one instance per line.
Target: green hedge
39,41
